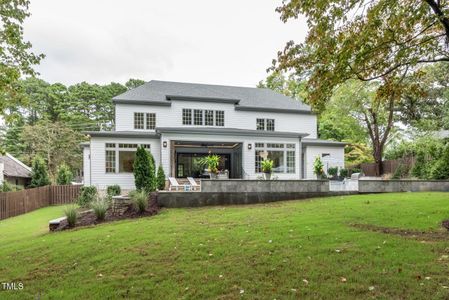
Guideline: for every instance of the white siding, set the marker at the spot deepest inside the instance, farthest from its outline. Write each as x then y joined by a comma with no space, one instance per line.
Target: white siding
167,116
248,156
86,165
100,178
335,159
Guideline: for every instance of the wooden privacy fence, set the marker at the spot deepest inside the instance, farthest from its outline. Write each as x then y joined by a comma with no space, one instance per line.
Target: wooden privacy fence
17,203
389,166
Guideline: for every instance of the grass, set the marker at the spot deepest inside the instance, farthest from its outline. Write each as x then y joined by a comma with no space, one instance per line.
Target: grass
283,250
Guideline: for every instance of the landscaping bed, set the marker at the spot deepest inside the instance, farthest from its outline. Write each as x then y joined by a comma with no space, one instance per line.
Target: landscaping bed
120,208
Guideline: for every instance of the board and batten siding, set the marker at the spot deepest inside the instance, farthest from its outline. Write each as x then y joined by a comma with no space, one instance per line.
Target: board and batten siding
171,116
335,159
100,178
248,155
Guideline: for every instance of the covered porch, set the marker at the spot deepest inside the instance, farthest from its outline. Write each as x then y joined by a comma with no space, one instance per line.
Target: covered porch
186,158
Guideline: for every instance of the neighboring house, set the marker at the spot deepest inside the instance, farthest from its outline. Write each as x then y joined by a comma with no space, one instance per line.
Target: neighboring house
181,122
14,171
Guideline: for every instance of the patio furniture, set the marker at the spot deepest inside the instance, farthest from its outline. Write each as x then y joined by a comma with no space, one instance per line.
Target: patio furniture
174,184
195,186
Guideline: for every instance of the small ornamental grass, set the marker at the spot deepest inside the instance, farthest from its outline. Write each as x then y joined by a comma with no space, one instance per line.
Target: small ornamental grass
139,200
100,206
72,214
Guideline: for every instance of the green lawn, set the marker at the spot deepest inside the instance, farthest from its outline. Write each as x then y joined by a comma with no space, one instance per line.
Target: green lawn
292,249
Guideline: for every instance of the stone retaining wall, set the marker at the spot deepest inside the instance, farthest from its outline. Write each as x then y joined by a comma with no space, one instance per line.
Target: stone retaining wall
265,186
391,186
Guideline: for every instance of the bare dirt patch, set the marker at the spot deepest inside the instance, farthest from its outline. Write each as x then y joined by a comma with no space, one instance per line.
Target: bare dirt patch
408,233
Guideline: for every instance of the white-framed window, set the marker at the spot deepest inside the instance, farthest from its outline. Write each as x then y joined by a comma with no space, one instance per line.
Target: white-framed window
186,116
260,124
151,121
197,117
270,124
219,118
209,117
120,157
202,117
265,124
110,163
139,120
282,155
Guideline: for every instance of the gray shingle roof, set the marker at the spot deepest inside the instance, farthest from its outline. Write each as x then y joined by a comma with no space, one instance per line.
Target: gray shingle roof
14,168
160,92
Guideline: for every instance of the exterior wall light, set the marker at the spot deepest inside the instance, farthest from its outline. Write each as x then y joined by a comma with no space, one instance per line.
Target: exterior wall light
164,143
250,146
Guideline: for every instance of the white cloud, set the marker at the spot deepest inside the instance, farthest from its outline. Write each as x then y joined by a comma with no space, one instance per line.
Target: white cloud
225,42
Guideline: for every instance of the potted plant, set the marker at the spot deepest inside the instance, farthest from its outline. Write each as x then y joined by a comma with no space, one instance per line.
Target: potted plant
212,162
318,168
267,168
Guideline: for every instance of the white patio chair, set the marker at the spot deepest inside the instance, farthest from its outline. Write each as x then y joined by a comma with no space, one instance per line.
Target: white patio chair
195,186
174,184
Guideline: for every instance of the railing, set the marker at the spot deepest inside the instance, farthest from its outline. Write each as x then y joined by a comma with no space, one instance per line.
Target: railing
17,203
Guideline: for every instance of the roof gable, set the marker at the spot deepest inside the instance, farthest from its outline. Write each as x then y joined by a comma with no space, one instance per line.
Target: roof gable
14,167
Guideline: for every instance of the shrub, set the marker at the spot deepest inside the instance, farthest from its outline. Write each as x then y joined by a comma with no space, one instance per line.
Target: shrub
113,190
39,173
71,214
87,195
6,187
440,169
344,173
140,200
144,171
402,171
64,175
100,206
160,178
332,172
318,169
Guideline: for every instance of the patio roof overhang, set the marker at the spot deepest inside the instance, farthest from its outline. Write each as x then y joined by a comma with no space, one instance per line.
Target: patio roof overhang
317,142
125,134
229,131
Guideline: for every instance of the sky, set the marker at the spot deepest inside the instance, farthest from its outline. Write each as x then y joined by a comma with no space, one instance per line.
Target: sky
203,41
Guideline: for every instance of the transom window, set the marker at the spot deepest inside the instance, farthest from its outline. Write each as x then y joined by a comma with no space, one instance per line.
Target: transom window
282,155
265,124
144,120
119,158
202,117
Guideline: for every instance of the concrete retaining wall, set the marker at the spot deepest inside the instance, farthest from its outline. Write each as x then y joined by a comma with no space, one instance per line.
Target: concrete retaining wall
265,186
391,186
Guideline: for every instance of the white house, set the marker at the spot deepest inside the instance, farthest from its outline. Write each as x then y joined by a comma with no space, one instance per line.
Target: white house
181,122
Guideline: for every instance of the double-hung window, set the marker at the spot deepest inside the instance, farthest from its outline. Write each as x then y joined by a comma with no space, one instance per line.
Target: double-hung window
219,118
265,124
144,120
139,120
186,116
209,117
197,117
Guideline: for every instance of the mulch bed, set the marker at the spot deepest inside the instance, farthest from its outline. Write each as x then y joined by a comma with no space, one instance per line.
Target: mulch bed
88,218
415,234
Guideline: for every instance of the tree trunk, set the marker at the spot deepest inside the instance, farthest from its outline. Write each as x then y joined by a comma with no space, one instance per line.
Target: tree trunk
377,154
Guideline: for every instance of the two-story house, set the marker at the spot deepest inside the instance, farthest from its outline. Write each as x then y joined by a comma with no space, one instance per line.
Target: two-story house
179,123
